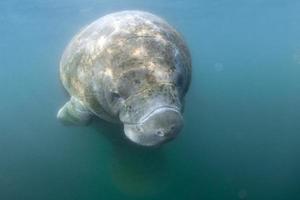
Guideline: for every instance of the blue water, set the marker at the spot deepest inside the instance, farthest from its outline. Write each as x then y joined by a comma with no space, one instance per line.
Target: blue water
241,138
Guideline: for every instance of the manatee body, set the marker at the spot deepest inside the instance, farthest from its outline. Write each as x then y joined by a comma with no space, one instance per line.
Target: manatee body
129,67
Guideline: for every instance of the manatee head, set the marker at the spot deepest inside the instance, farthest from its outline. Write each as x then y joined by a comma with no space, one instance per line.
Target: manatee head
152,116
148,104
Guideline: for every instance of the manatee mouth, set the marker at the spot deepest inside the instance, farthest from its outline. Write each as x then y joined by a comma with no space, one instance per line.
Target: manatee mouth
157,127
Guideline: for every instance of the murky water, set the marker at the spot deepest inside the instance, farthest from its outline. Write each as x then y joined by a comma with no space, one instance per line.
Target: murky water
242,116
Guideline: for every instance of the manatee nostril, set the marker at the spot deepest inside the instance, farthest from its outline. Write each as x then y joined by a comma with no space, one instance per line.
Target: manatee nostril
160,133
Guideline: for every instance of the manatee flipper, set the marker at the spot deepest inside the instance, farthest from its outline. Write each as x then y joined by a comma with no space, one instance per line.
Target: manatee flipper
74,113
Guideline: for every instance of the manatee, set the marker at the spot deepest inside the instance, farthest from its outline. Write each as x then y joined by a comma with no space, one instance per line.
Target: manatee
131,68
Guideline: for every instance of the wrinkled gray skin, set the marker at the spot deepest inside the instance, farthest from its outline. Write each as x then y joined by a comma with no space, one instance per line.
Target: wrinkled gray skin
129,67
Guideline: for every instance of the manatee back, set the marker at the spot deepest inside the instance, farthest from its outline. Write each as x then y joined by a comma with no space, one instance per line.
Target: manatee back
143,51
104,52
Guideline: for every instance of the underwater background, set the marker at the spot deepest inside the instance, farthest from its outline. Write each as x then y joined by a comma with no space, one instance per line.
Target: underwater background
241,138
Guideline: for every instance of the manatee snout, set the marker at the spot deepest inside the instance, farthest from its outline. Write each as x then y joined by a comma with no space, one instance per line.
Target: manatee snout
159,126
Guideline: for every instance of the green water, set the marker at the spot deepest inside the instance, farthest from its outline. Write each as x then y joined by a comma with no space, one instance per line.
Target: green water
242,116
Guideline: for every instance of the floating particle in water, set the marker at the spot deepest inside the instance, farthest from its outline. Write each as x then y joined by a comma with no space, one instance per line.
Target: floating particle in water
296,57
242,194
219,67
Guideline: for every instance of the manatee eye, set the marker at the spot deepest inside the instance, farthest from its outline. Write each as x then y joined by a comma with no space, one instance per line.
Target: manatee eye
115,96
137,81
